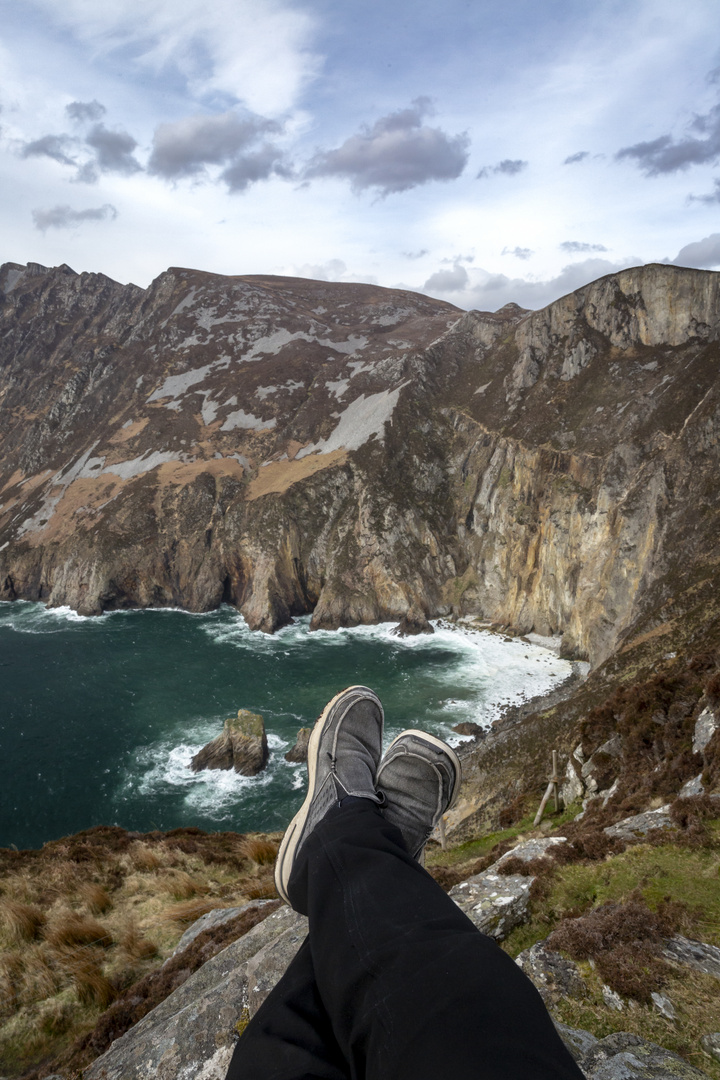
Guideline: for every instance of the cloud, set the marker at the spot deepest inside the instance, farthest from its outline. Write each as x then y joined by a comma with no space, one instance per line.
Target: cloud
184,148
64,217
518,252
52,146
668,155
397,153
448,280
415,254
259,53
488,291
703,253
332,270
82,112
113,153
712,197
508,167
260,165
576,246
575,158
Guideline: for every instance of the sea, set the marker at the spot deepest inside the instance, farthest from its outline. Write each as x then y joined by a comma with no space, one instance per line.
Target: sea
99,717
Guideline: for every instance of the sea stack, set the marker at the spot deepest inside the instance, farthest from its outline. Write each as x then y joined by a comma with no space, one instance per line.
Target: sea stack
299,751
242,746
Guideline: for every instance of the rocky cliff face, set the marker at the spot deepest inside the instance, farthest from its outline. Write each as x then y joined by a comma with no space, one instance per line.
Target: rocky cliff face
291,446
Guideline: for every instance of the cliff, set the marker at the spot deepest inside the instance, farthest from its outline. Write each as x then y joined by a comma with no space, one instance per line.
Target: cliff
291,446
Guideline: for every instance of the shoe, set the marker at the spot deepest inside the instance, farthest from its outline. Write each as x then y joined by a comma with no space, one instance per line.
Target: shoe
343,755
420,778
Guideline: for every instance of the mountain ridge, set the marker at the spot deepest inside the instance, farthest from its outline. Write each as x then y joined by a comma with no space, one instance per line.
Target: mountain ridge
292,446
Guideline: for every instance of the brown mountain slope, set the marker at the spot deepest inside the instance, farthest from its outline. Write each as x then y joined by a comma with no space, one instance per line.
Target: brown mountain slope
291,445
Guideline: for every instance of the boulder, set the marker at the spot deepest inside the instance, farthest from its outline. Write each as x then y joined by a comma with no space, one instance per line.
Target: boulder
705,727
663,1005
496,903
691,788
299,751
711,1044
413,622
213,918
191,1034
572,787
600,770
267,967
468,728
639,825
693,954
242,746
527,851
553,976
623,1056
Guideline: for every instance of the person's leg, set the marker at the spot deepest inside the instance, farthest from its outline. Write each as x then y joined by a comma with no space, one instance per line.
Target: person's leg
290,1037
413,990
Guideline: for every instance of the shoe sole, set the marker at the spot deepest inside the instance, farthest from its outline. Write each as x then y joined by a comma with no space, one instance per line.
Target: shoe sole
440,745
294,832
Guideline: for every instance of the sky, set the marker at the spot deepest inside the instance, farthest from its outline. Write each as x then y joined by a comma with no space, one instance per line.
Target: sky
480,151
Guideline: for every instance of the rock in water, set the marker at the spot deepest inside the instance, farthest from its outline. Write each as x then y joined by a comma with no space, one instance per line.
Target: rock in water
299,751
414,622
468,728
242,746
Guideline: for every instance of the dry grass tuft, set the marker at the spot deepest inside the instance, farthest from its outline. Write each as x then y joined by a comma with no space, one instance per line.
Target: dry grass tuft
11,973
41,979
23,921
262,888
144,858
258,849
135,946
71,929
92,985
190,910
96,897
182,886
56,1018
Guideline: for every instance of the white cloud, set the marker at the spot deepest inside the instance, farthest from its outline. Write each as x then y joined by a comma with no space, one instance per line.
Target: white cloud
703,254
255,52
488,292
444,281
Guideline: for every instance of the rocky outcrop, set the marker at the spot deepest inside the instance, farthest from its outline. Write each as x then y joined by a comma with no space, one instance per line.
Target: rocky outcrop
360,453
299,751
192,1032
466,727
414,622
622,1056
554,975
243,746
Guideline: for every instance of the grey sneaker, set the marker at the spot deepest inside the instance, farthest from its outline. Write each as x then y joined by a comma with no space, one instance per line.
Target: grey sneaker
343,755
420,778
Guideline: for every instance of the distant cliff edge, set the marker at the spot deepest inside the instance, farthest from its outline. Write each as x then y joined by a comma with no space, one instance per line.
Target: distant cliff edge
356,452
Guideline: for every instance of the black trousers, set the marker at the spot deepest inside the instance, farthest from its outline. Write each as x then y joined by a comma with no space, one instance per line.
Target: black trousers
393,981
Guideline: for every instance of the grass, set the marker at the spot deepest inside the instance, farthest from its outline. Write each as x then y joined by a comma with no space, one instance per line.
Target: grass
679,882
87,917
23,921
696,1001
657,873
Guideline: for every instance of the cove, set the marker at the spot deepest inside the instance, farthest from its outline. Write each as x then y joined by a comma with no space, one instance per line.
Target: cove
99,717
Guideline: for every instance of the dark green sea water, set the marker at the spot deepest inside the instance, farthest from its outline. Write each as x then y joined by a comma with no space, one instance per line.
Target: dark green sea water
100,717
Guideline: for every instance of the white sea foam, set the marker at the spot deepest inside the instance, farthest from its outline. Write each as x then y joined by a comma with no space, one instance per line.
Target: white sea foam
164,767
483,674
